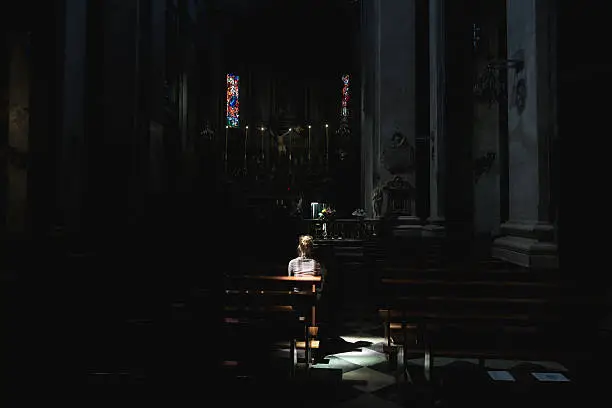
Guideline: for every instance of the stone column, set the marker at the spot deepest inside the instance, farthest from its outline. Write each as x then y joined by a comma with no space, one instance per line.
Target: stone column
71,143
437,106
388,110
451,119
528,235
368,43
121,134
156,89
18,133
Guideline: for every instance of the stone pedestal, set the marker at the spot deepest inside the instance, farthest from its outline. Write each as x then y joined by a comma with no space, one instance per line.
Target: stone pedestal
408,226
527,244
528,236
434,228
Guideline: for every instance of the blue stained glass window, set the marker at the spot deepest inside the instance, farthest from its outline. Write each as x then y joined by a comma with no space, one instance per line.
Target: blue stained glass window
232,100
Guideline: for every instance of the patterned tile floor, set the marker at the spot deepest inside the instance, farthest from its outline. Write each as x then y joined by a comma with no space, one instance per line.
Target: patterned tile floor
368,380
356,373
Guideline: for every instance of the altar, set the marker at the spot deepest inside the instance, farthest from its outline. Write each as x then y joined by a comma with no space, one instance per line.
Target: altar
342,230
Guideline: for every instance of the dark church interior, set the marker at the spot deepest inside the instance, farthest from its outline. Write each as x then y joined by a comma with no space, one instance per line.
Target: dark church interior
161,161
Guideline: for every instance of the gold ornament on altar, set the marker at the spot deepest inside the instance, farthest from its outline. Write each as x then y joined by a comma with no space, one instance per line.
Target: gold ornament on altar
327,214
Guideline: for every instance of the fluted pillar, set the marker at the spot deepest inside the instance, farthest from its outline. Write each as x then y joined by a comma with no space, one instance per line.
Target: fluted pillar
528,235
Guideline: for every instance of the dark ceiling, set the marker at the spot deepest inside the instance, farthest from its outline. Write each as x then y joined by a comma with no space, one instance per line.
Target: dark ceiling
300,34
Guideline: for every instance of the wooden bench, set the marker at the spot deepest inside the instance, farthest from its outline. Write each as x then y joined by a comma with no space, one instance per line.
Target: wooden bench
428,290
467,314
264,314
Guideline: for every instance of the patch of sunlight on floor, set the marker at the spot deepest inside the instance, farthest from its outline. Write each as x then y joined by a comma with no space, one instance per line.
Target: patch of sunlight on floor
364,358
370,339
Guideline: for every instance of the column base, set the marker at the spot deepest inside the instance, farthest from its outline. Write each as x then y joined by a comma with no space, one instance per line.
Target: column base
527,245
435,228
407,226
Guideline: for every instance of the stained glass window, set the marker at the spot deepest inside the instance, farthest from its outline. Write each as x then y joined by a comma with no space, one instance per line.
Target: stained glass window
233,103
345,95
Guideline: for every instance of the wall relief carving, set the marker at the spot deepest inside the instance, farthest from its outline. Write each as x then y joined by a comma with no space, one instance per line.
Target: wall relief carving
519,98
491,85
398,183
207,132
483,165
398,156
19,118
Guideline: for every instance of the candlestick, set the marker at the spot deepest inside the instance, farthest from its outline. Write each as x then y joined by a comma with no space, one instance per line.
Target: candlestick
246,139
290,146
309,141
225,155
326,145
262,142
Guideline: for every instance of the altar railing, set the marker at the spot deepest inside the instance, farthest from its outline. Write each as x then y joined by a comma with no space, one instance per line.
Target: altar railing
349,228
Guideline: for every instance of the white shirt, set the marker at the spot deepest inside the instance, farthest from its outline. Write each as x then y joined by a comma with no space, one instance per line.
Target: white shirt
302,266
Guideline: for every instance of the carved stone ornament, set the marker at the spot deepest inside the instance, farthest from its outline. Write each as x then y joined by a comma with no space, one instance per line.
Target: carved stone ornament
483,165
377,201
520,95
398,157
19,117
398,183
207,132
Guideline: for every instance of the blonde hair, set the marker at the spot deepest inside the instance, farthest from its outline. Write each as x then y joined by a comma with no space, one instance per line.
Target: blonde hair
305,245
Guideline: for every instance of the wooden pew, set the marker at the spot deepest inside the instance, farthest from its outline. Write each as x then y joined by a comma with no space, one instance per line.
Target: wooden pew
475,315
264,314
410,289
